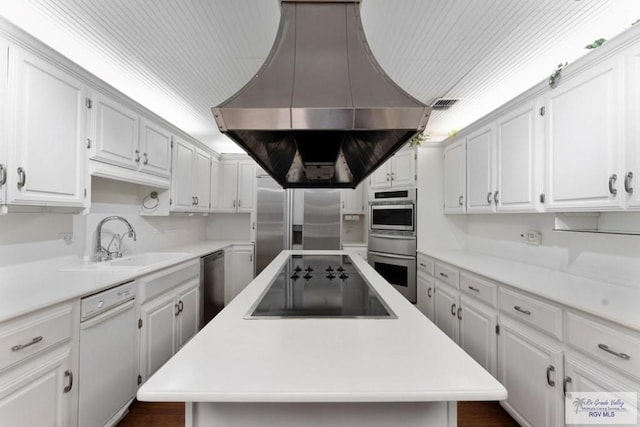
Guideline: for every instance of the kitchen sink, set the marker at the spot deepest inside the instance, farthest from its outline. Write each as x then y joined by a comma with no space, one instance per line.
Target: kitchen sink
130,262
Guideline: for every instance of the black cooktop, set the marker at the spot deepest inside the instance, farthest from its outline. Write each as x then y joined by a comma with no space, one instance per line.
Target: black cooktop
320,286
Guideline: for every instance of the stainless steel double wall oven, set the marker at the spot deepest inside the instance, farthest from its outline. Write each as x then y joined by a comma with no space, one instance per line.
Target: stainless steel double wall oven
392,238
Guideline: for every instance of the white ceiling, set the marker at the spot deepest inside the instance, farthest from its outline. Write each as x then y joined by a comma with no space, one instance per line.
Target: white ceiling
180,58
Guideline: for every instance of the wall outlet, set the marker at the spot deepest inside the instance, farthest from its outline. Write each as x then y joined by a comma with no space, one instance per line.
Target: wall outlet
532,237
67,237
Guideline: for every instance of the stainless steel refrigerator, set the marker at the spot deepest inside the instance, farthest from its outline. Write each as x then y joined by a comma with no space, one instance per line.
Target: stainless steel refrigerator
294,219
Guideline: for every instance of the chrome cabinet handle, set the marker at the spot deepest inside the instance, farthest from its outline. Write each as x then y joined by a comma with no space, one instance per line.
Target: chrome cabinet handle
176,309
387,176
137,156
239,202
197,200
474,289
627,183
180,306
521,310
68,387
423,265
495,197
234,203
460,200
453,309
22,178
429,292
393,176
565,381
146,159
615,353
3,175
489,197
550,369
612,182
30,343
459,313
444,275
193,200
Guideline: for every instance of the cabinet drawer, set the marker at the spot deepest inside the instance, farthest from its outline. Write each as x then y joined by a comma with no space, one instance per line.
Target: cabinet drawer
614,346
33,334
446,273
479,288
537,313
425,264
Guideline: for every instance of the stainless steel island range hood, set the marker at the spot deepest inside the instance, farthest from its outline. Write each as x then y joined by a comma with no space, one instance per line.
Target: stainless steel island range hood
320,112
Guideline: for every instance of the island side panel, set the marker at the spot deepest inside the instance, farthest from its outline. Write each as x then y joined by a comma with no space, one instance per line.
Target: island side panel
383,414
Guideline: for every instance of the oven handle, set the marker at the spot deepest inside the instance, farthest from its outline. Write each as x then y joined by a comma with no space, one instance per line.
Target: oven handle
386,255
393,236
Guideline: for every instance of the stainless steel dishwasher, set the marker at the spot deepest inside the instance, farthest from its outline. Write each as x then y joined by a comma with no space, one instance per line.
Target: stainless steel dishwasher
212,274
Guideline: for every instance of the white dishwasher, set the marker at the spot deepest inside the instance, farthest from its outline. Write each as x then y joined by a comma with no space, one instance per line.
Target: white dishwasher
108,351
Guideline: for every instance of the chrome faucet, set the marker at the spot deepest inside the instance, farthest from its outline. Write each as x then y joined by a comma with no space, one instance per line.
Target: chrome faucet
103,254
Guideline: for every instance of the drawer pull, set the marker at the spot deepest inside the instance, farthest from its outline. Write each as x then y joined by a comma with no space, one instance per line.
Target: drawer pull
566,381
429,292
521,310
453,309
69,374
474,289
615,353
423,265
21,346
444,275
550,369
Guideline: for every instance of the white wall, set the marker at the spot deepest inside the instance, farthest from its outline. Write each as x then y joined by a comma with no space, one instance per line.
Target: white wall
229,226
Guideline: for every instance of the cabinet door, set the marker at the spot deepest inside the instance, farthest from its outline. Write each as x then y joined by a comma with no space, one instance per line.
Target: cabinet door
4,135
454,177
228,186
155,148
631,171
445,309
353,200
158,335
46,147
526,360
188,303
214,199
582,375
583,126
518,140
478,333
202,181
403,169
182,192
242,264
381,177
480,164
115,133
34,393
246,186
425,297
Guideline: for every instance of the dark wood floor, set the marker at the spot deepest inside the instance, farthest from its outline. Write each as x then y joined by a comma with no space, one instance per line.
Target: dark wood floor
470,414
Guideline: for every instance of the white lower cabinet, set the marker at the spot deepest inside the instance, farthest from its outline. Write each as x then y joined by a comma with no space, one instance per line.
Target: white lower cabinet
530,368
445,306
238,270
168,314
36,376
426,295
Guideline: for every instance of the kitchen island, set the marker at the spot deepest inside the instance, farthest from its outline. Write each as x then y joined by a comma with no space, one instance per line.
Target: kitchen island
300,361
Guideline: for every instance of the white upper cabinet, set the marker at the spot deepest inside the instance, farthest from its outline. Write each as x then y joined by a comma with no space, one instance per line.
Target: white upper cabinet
480,165
518,159
115,133
214,197
454,177
398,171
583,121
353,200
190,178
4,50
237,186
155,149
46,133
630,174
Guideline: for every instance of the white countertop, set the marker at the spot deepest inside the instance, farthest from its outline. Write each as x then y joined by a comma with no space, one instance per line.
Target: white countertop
31,286
407,359
611,302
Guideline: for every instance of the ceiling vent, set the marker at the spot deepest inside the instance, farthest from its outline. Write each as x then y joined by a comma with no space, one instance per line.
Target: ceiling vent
443,103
